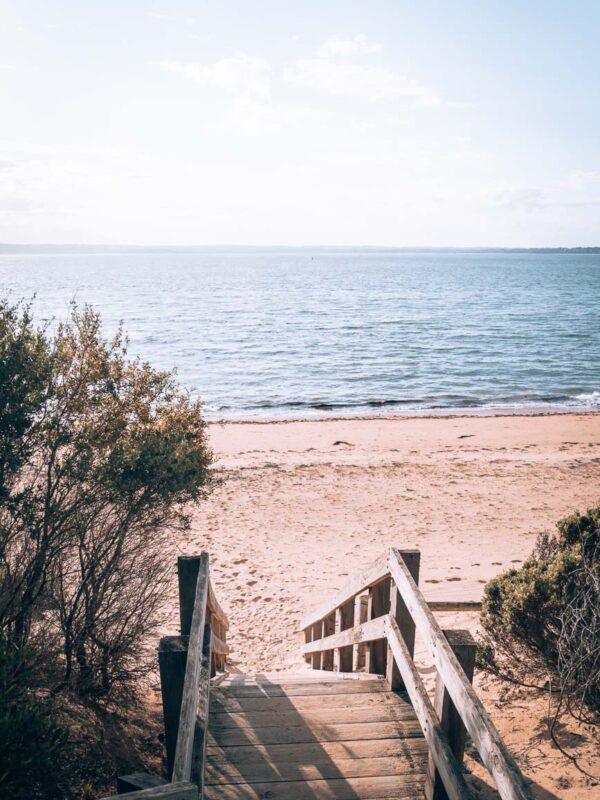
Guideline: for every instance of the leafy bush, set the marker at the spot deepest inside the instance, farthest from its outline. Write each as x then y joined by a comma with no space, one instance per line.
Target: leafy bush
36,755
542,621
100,456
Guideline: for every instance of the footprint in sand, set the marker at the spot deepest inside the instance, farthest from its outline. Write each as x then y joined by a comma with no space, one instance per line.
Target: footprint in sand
456,578
433,580
496,563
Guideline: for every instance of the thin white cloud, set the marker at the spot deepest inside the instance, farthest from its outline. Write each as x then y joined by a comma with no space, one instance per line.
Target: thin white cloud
238,75
359,45
366,81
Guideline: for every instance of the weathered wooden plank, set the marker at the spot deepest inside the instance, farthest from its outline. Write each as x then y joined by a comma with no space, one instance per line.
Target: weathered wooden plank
292,690
300,703
398,786
317,752
219,647
463,646
360,616
373,629
327,660
372,574
406,625
203,711
379,604
494,753
135,781
265,771
172,659
345,615
436,738
183,790
295,734
317,634
318,716
215,609
182,767
284,678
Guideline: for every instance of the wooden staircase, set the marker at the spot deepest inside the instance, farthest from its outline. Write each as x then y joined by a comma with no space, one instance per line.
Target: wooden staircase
332,736
360,724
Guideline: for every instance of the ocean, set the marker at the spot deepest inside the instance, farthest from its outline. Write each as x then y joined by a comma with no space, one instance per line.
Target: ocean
286,334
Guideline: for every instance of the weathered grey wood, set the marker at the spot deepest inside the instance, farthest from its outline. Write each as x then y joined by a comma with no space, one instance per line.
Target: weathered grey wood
285,678
317,634
382,712
182,766
400,787
172,658
215,608
295,690
346,621
138,780
187,574
406,625
307,639
368,631
494,753
463,646
241,705
182,790
219,646
327,660
202,714
442,754
269,769
318,752
297,734
378,606
454,605
361,604
373,573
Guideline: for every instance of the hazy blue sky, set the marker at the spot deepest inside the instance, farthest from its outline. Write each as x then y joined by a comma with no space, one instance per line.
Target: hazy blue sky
379,123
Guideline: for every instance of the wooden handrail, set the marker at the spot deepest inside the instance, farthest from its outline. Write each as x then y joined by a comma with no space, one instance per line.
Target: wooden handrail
389,574
182,768
481,729
170,791
186,664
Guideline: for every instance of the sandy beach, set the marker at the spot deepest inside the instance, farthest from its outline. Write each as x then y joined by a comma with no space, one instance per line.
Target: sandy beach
302,505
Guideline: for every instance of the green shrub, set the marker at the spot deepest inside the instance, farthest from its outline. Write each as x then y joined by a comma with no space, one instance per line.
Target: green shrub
36,757
542,621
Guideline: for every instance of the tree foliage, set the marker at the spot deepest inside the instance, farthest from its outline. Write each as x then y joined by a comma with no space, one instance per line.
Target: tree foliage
100,455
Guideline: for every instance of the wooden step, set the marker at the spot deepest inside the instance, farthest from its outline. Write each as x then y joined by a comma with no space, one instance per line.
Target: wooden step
310,762
315,752
297,734
400,787
382,712
295,689
328,737
226,703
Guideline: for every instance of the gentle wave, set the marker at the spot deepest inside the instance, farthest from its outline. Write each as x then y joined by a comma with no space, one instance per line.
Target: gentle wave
291,334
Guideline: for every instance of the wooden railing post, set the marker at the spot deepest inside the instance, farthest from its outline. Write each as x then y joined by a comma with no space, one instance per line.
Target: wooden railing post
172,658
379,604
361,609
412,559
317,633
187,573
344,621
327,662
463,646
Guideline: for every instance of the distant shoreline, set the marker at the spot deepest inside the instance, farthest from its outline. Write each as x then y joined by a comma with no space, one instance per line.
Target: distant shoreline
92,249
427,414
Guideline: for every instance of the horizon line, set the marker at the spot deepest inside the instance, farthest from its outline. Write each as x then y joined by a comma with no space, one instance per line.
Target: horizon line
41,247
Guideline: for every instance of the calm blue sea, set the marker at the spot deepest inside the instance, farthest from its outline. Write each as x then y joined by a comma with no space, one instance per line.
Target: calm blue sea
294,334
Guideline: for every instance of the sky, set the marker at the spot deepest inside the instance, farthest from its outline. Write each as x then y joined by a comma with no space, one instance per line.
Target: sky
430,123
